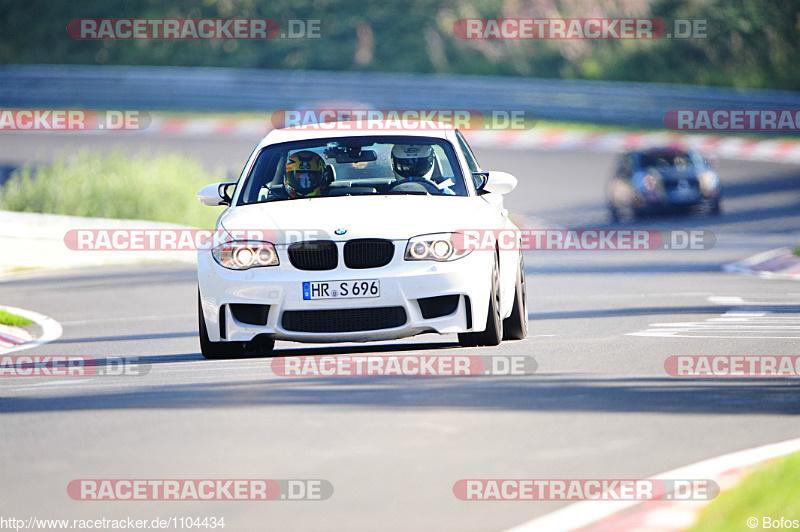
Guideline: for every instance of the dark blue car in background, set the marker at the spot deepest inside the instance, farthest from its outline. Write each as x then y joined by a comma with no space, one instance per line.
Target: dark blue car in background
662,180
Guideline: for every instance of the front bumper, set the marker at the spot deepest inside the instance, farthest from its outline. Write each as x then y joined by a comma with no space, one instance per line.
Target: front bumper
402,284
677,208
675,202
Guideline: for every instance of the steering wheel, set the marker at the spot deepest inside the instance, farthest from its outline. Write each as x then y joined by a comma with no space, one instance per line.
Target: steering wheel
429,186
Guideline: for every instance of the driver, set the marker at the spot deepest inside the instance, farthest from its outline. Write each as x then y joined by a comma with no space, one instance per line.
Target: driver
305,175
412,161
416,162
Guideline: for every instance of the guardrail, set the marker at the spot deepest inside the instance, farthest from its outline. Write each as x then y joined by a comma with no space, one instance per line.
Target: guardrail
226,89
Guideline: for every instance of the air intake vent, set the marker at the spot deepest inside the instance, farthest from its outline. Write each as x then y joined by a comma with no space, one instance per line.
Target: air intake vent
344,320
250,314
436,307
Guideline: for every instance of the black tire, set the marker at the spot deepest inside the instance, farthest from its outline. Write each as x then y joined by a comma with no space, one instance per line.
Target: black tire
493,334
260,346
624,214
515,327
216,350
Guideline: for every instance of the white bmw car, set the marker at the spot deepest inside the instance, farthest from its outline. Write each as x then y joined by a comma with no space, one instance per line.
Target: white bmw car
356,234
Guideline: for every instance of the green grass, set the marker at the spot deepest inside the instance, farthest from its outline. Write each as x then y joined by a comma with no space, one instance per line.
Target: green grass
769,492
114,185
6,318
797,251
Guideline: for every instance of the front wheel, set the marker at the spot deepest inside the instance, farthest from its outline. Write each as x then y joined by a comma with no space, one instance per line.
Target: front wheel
515,327
493,334
216,350
623,214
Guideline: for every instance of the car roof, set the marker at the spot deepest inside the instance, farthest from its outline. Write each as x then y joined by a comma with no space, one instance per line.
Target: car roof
665,150
358,128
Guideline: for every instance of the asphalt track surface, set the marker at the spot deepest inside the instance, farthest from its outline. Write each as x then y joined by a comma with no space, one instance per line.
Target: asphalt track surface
599,406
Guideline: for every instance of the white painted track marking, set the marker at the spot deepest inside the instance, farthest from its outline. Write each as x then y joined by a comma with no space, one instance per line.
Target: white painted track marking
748,320
586,513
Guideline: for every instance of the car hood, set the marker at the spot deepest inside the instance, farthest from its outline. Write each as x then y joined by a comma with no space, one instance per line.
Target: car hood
392,217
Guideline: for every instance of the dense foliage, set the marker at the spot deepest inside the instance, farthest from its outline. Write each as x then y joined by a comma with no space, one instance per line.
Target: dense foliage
749,44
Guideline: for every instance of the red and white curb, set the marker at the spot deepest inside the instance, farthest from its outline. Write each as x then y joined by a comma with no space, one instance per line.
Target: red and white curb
204,127
12,337
728,147
774,264
660,516
19,339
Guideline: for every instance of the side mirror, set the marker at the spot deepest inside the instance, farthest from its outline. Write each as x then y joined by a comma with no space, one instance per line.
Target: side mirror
215,194
495,182
479,179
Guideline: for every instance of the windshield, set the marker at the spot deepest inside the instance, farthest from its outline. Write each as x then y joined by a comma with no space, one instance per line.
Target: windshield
349,166
670,159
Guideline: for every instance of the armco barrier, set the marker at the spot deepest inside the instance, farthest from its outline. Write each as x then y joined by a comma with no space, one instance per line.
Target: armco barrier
226,89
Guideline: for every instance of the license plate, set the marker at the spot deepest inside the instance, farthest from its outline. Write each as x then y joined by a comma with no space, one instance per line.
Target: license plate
684,195
341,289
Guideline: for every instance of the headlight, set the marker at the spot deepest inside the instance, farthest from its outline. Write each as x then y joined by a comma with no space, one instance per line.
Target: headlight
651,182
436,247
243,255
709,182
653,187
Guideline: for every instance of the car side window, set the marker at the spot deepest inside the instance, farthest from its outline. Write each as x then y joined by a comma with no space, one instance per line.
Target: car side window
264,171
472,162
